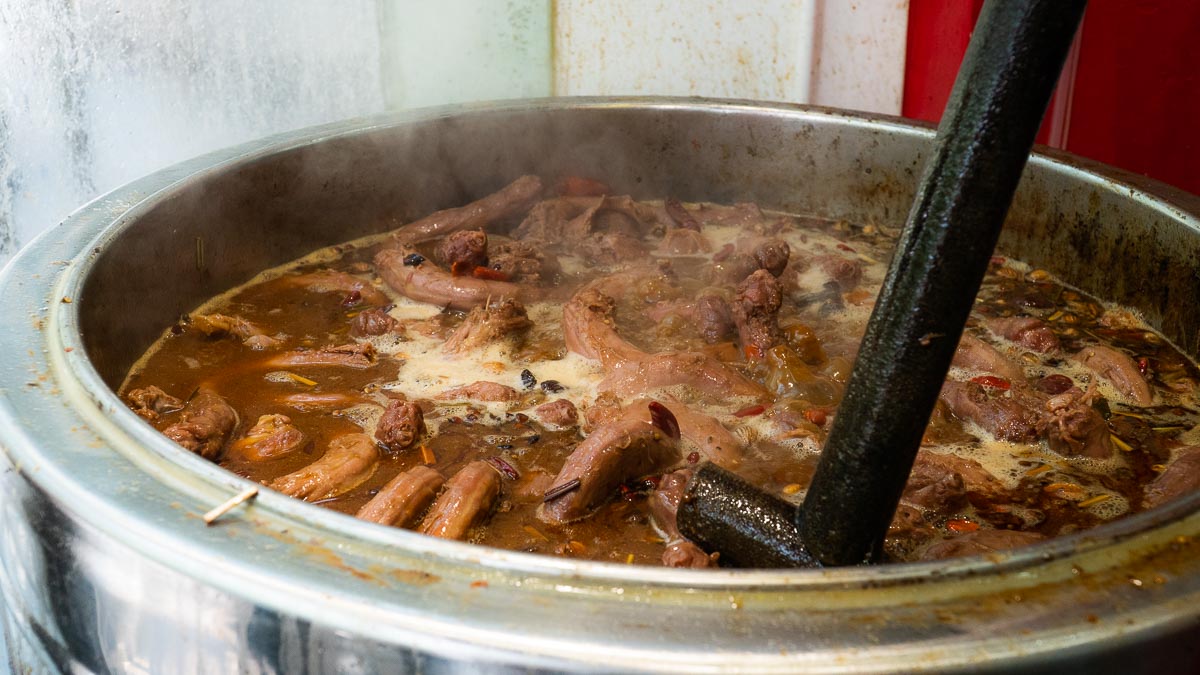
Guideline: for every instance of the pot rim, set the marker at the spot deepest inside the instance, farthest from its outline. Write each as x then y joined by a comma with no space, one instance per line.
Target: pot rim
181,477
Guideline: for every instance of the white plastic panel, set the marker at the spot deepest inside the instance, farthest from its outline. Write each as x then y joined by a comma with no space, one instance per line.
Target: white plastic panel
724,48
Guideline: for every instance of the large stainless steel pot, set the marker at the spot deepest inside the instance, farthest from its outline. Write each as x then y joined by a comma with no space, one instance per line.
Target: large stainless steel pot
107,566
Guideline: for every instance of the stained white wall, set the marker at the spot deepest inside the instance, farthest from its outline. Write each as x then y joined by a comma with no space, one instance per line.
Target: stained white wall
95,93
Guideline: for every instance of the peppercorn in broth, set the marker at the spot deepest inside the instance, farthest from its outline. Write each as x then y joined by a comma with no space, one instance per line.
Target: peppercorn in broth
542,369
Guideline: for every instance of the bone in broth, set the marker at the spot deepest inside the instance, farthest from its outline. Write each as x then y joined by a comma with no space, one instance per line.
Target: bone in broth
542,369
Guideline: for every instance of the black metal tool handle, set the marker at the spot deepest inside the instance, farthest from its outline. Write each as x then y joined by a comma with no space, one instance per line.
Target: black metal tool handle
982,144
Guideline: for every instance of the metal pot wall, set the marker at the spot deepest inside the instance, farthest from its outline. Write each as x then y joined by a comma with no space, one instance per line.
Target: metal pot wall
107,566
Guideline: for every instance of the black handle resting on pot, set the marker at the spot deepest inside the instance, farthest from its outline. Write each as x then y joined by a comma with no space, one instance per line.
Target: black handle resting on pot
982,144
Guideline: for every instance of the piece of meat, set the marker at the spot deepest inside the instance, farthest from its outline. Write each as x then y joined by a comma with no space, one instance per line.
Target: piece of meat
525,262
610,248
271,437
730,267
980,542
756,312
975,354
606,408
581,186
481,391
1119,369
680,241
931,466
219,325
709,313
588,325
1075,428
403,498
680,215
487,324
622,450
845,272
333,281
939,482
374,322
714,380
509,202
353,355
558,220
151,402
713,318
347,463
425,282
465,249
744,214
1003,416
467,500
711,438
664,505
559,412
1181,477
400,425
207,423
1026,331
768,253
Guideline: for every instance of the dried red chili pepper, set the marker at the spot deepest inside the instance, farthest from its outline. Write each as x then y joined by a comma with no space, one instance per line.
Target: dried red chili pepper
489,274
993,382
750,411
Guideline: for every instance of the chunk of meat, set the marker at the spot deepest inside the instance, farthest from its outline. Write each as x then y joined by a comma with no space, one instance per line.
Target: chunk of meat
709,313
400,425
680,241
713,318
509,202
467,500
1075,428
664,505
559,412
1003,416
711,438
374,322
218,325
347,463
756,312
1119,369
588,328
353,355
467,249
1026,331
481,391
627,448
664,502
845,272
403,498
679,215
980,542
745,214
334,281
714,380
151,402
940,481
487,324
558,220
207,423
306,401
610,248
1181,477
425,282
769,254
975,354
524,261
271,437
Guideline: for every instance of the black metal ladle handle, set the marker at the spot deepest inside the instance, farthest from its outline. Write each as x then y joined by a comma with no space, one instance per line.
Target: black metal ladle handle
998,101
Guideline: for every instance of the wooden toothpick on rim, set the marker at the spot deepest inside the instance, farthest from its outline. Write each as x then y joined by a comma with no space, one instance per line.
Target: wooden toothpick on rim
229,504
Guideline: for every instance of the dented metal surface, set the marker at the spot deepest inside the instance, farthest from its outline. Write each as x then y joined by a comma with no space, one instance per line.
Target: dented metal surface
109,567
